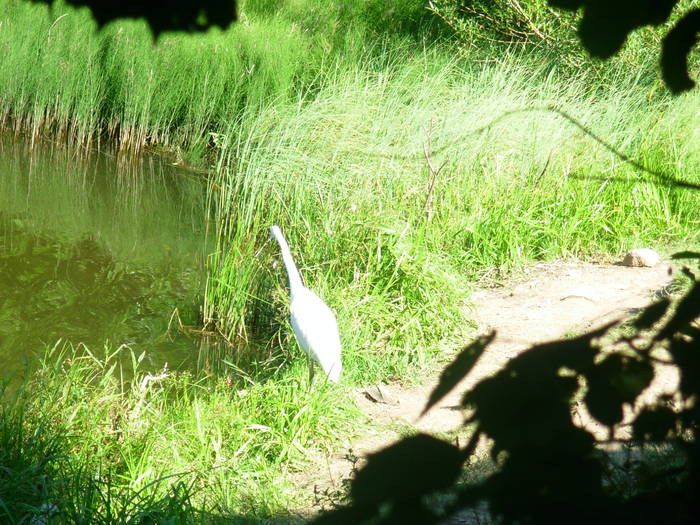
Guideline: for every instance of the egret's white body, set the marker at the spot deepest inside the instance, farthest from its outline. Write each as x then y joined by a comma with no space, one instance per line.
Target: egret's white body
314,324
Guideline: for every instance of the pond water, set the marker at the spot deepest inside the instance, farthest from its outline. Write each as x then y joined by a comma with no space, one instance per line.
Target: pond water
99,249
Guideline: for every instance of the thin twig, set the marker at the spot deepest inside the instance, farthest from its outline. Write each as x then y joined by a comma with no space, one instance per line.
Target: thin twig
544,169
427,148
657,176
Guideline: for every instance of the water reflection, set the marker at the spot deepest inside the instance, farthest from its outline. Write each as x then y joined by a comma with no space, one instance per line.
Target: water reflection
98,248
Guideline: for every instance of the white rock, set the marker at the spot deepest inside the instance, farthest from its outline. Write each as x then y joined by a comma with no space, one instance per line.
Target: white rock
641,257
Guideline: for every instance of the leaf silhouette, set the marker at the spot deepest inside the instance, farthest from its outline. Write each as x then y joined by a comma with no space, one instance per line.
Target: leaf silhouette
686,311
613,382
654,424
685,255
687,357
345,516
458,369
651,314
407,470
605,26
675,50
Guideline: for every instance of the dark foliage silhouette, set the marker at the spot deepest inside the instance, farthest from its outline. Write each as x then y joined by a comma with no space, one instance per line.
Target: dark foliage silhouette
177,15
605,26
548,468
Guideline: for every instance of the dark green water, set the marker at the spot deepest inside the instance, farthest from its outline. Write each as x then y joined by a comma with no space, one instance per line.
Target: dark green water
101,250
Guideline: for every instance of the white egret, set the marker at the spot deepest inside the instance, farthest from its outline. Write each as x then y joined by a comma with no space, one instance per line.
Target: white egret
314,324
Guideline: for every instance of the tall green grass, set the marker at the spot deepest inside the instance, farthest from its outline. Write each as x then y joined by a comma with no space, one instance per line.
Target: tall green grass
61,77
92,438
393,247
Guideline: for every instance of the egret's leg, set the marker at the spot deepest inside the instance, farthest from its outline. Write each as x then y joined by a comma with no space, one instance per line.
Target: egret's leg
311,370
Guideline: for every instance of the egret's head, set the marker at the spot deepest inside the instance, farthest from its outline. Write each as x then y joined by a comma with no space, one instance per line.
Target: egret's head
275,231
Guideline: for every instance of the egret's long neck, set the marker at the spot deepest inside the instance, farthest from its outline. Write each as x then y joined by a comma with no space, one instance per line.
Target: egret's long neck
295,283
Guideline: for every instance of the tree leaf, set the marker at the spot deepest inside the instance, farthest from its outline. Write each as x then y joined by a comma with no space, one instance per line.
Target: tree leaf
685,255
635,377
651,314
458,369
687,310
613,382
408,469
605,25
603,406
686,356
571,5
345,516
654,424
675,50
180,15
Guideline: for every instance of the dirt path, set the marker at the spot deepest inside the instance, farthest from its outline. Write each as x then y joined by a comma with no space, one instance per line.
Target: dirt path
554,299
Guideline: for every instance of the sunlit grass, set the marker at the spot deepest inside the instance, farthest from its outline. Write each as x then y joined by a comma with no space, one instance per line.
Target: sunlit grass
61,77
393,246
316,126
402,173
102,441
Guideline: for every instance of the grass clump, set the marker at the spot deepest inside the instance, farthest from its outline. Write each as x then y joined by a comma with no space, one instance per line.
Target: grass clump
62,77
95,441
